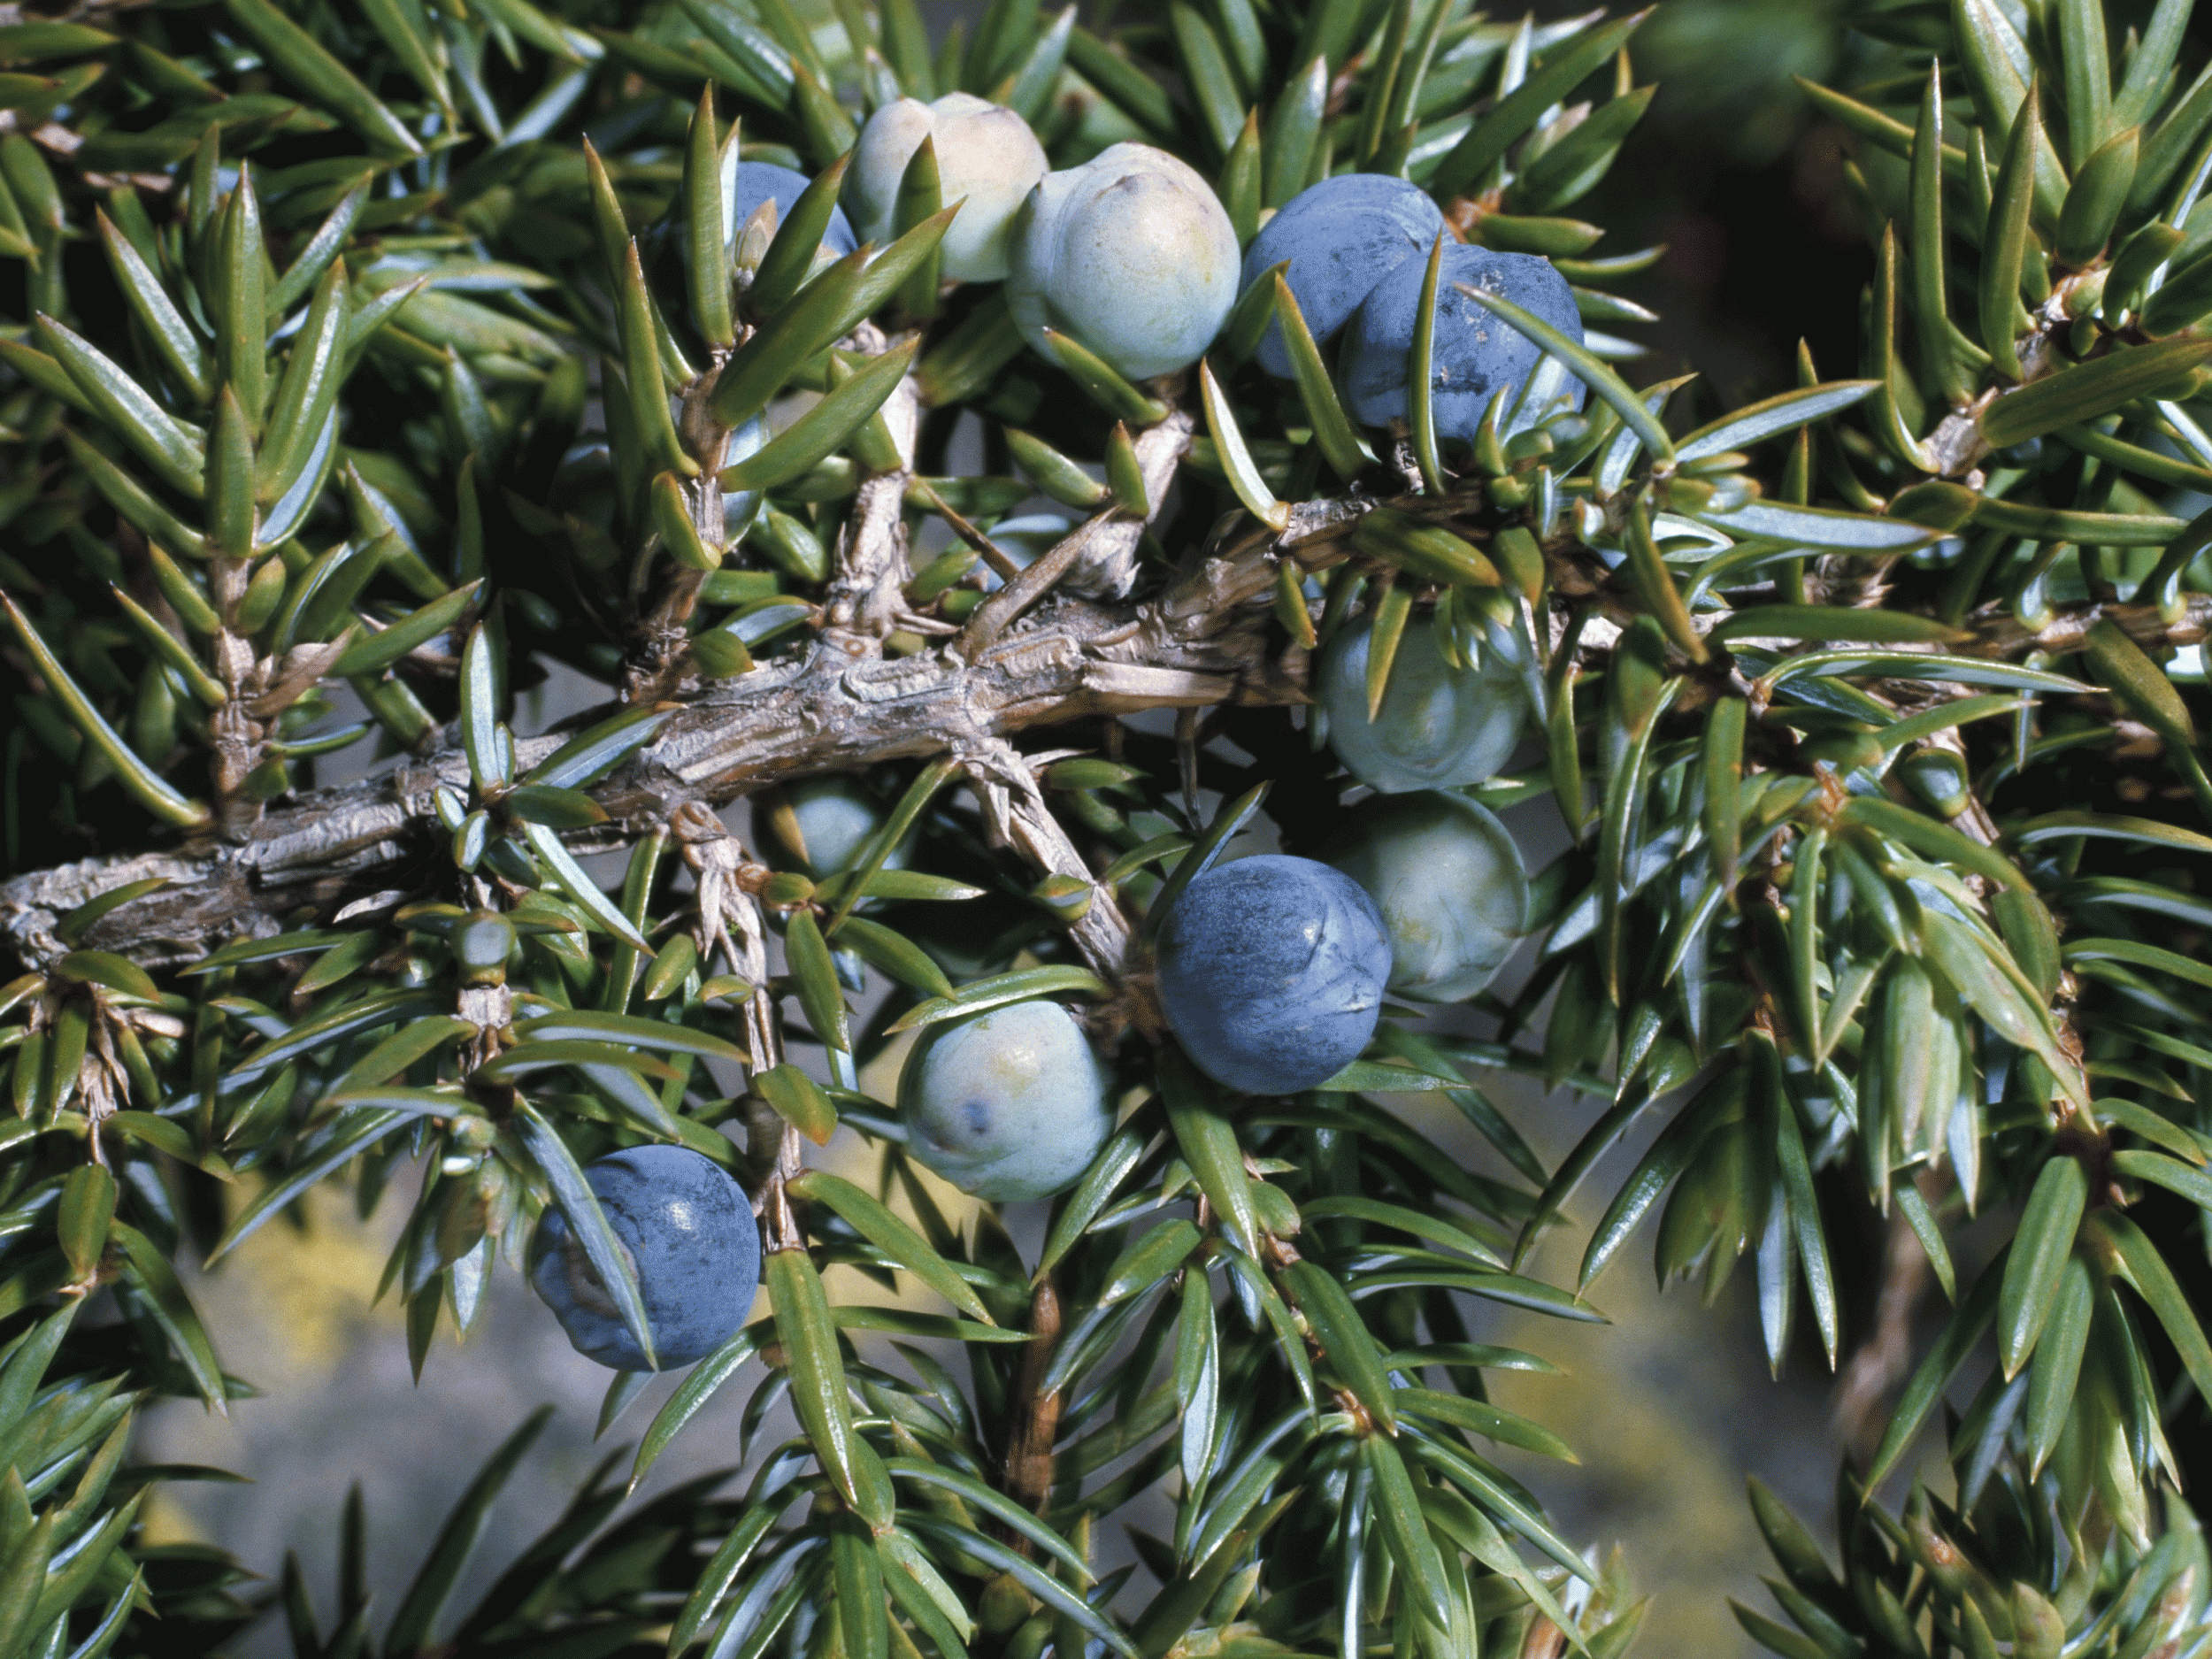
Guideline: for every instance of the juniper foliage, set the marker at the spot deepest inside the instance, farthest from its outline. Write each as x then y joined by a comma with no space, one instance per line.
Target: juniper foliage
404,348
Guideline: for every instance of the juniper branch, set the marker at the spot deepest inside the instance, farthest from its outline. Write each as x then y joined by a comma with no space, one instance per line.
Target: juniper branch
1200,641
842,706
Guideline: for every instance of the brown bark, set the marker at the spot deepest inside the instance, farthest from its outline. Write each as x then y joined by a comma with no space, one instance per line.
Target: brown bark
842,706
1036,1411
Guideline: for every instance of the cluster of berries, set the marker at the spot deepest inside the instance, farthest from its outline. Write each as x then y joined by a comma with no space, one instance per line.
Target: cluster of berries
1272,970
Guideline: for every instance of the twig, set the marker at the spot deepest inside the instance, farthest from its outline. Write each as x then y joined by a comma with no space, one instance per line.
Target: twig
868,588
999,612
1098,558
1034,1413
992,554
1016,811
661,648
1202,640
1879,1362
1108,569
730,922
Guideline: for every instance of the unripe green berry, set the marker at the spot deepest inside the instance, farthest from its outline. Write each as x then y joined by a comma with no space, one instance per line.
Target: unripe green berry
1438,727
1009,1105
1451,885
1132,253
987,160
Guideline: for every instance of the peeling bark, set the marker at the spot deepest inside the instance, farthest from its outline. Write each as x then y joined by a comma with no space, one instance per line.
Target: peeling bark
1016,810
867,591
841,707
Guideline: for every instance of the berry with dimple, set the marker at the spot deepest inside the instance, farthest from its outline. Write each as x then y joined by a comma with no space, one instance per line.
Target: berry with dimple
1271,971
689,1232
1451,885
987,160
1438,727
1474,351
1009,1105
824,823
757,181
1132,254
1342,236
